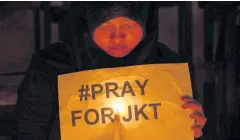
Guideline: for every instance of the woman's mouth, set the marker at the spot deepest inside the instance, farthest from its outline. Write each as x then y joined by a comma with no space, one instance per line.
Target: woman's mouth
118,46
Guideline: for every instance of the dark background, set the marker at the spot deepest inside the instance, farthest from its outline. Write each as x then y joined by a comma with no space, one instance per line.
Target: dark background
207,33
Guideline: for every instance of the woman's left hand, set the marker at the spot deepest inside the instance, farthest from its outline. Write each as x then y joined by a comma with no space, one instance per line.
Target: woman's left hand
197,115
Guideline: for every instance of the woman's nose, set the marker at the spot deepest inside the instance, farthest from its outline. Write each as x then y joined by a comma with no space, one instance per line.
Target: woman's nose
117,36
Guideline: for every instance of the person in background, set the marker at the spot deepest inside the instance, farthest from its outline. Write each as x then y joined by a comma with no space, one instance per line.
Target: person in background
114,34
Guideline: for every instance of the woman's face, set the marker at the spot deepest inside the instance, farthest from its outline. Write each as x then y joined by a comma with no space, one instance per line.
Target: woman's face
118,36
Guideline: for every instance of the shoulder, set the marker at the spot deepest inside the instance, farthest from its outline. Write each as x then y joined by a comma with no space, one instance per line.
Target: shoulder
46,65
55,56
56,52
169,55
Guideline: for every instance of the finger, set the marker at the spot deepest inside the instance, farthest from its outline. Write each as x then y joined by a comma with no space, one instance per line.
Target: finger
199,117
186,98
197,131
194,106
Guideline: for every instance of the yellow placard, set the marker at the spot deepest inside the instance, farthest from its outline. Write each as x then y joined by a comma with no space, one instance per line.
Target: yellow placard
146,99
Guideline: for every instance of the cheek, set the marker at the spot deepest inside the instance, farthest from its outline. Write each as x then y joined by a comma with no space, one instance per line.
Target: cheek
101,38
133,37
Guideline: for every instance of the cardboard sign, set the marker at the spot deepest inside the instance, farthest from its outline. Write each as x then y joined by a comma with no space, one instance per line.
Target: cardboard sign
146,98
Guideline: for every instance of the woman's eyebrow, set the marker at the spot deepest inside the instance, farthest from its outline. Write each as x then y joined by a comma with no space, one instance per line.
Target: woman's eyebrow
126,20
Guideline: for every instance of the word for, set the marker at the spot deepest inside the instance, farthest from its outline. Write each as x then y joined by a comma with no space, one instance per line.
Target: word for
109,87
134,112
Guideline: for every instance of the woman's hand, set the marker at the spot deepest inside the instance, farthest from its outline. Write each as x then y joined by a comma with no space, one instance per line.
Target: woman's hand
197,115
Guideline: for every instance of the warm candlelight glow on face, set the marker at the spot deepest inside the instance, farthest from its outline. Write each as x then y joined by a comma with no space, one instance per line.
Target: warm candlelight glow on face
118,36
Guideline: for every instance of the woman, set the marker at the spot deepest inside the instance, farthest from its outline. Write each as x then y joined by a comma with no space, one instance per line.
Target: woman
114,34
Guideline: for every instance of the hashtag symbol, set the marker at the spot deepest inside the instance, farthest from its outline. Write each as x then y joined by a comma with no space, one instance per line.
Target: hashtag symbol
84,92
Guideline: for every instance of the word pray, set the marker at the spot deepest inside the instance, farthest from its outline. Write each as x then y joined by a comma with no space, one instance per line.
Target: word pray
111,89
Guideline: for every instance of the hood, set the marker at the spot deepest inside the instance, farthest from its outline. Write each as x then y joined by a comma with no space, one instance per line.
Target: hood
96,13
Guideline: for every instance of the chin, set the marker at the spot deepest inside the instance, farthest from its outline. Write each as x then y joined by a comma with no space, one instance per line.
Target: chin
118,55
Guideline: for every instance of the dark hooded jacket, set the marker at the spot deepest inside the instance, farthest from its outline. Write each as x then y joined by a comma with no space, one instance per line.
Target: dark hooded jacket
37,116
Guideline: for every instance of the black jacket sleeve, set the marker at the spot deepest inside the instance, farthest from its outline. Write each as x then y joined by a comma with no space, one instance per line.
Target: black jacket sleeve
36,106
